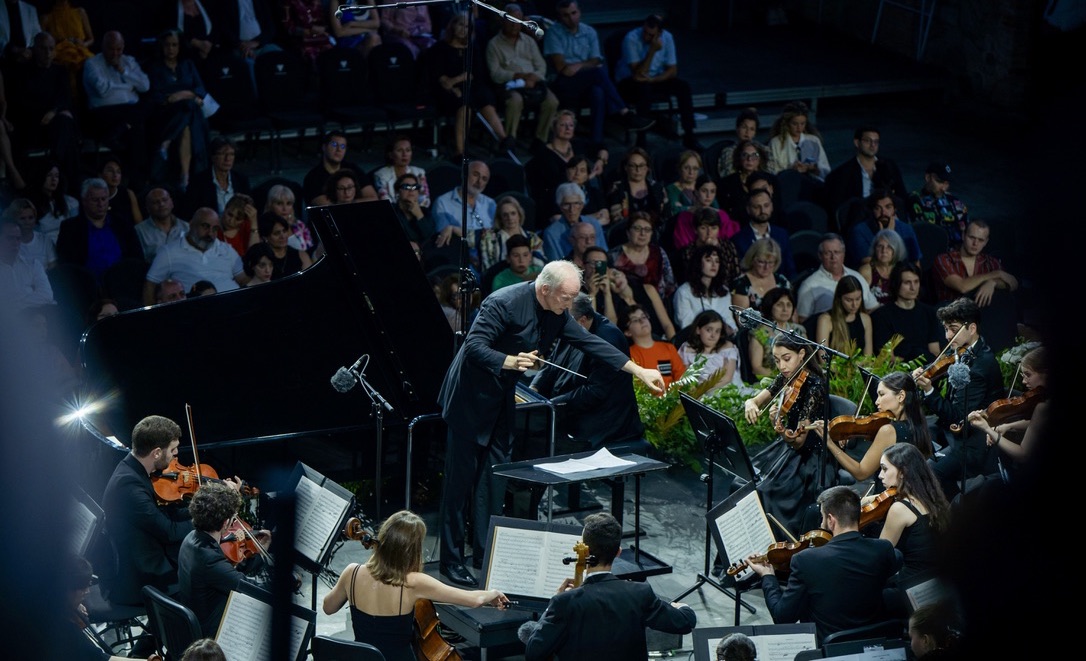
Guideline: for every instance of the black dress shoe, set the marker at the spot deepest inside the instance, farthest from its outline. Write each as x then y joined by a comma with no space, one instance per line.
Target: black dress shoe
459,574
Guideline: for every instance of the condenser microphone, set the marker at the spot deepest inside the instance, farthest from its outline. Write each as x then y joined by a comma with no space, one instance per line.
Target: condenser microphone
346,7
345,378
749,318
534,28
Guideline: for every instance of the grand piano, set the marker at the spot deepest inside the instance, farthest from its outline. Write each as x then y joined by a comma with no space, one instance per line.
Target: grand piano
255,364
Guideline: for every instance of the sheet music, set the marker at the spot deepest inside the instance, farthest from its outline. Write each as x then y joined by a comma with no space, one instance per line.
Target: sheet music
245,630
317,515
83,520
775,647
876,653
929,591
529,562
745,530
601,459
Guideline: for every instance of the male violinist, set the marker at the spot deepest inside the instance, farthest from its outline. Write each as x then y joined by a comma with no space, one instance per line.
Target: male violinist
606,617
973,382
145,536
837,585
205,574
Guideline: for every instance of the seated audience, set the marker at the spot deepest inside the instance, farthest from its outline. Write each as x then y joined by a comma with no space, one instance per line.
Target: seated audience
259,264
778,306
647,351
760,275
449,207
816,293
307,29
747,124
214,187
123,202
398,154
414,218
518,254
595,204
340,188
410,26
887,250
33,245
22,280
795,143
860,176
357,27
333,157
197,255
681,193
644,259
177,119
758,214
709,340
706,288
199,36
707,232
202,288
115,85
286,259
704,198
934,204
637,189
749,158
557,238
905,315
518,69
612,293
46,189
239,224
281,203
846,327
161,225
95,238
546,170
882,215
509,223
19,22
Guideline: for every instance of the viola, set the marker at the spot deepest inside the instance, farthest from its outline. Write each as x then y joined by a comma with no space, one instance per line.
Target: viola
779,555
844,427
876,510
1014,408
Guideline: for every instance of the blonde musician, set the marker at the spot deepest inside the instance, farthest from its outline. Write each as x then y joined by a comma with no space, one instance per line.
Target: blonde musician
605,618
383,591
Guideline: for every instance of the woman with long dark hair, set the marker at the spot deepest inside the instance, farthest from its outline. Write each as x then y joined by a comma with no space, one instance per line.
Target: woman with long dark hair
706,288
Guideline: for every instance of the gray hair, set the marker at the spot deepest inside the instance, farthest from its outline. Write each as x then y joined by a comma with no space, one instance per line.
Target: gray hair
93,182
279,192
897,244
582,306
557,272
566,189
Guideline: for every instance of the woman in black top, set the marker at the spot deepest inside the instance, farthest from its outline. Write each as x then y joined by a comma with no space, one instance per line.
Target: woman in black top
275,231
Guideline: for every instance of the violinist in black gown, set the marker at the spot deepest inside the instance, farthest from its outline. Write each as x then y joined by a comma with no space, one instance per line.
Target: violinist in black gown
789,466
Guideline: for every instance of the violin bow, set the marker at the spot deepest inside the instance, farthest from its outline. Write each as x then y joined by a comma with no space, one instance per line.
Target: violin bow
781,526
264,553
192,439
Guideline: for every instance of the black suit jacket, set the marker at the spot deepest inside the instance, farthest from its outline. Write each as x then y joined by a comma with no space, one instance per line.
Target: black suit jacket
601,409
846,181
73,241
605,619
837,585
145,535
985,386
201,191
476,390
205,578
225,17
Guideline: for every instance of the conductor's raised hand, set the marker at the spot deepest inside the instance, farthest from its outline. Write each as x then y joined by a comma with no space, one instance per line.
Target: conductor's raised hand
653,379
520,362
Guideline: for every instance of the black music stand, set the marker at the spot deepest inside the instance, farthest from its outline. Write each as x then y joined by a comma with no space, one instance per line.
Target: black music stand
717,432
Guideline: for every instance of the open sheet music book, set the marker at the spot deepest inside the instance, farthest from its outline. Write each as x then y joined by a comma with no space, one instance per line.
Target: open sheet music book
524,558
245,631
741,527
321,509
85,517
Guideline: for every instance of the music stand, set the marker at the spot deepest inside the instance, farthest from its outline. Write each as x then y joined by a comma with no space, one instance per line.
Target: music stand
717,431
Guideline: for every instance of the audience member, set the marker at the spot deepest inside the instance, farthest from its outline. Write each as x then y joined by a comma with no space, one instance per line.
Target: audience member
582,236
907,316
22,280
33,245
510,222
778,306
202,288
197,255
161,226
102,308
557,238
704,198
614,292
123,202
747,124
333,157
168,291
44,113
595,204
518,254
637,189
239,224
681,193
246,27
708,340
837,585
816,292
795,143
546,170
357,27
18,24
862,175
286,259
214,188
11,172
46,190
706,288
846,327
759,211
639,256
259,264
95,238
410,26
707,233
518,68
398,155
448,75
934,204
307,28
646,350
449,207
414,218
749,157
199,36
760,274
340,188
573,49
115,84
648,71
281,203
886,251
882,215
177,112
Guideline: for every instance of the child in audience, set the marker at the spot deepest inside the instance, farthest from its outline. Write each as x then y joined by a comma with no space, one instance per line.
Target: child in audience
648,352
721,355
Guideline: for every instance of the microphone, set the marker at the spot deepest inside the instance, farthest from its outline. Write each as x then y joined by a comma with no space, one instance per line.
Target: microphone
534,28
346,6
749,318
958,375
345,378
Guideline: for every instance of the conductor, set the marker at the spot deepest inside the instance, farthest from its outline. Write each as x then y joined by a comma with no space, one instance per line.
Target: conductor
515,327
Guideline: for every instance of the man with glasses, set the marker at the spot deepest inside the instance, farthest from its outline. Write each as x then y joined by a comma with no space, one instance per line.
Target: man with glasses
197,255
859,176
333,159
515,326
217,186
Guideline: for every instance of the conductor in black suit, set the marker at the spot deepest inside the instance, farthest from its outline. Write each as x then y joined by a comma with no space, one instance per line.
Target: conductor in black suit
837,585
606,617
515,326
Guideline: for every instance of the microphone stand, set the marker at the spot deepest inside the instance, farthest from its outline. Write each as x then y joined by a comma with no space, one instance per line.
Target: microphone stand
379,405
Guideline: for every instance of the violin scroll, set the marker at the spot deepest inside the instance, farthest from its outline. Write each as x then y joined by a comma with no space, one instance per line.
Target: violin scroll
356,530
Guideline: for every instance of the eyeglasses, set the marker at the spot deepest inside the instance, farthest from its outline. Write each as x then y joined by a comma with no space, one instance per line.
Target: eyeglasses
409,186
573,204
751,156
870,141
765,262
337,145
641,229
344,189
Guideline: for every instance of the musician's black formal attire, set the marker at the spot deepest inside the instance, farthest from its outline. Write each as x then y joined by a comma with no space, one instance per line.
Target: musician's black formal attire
145,536
601,409
605,619
477,403
206,577
837,585
968,454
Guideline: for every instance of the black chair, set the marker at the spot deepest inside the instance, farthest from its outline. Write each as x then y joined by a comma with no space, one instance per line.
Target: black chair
505,175
123,282
173,624
790,187
486,283
849,213
884,630
665,163
344,91
116,625
442,178
804,215
226,78
804,244
806,655
326,648
398,85
710,158
284,94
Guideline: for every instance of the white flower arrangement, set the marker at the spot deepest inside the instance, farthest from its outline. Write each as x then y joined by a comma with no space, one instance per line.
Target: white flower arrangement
1013,355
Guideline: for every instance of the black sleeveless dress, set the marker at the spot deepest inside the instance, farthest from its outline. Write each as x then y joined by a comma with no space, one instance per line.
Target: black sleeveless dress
392,634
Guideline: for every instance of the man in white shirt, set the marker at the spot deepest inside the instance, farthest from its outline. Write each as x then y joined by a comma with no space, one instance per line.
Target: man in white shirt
515,63
197,255
22,280
815,294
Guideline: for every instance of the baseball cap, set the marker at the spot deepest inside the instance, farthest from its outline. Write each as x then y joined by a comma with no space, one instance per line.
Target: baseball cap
940,169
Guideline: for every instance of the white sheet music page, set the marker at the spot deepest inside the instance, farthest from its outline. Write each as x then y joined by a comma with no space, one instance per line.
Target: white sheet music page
529,562
745,529
601,459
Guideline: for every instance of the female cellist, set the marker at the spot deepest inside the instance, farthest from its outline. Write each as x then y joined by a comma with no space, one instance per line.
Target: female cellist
898,396
789,465
920,512
383,591
1035,369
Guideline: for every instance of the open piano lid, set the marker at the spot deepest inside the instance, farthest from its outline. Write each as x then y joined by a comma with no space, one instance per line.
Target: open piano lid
256,363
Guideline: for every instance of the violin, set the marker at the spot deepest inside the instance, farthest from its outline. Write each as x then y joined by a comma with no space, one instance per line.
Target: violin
177,482
844,427
937,368
240,543
876,510
779,555
1014,408
788,401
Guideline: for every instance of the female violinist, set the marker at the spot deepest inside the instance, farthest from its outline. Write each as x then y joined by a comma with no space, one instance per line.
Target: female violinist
919,514
1030,425
382,592
897,395
205,574
789,466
